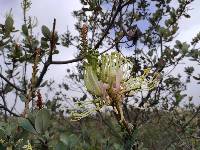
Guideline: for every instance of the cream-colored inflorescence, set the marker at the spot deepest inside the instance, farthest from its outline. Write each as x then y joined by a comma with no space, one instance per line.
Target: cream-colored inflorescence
2,141
28,146
108,79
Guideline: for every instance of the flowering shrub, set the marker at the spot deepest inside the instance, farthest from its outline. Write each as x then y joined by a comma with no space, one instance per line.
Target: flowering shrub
111,80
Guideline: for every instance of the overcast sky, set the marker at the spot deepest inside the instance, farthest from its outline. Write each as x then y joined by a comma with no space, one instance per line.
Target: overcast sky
46,10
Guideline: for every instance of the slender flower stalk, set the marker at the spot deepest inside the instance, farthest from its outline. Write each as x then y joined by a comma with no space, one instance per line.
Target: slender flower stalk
33,81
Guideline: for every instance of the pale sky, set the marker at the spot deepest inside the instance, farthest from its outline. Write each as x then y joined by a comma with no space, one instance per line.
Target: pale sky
47,10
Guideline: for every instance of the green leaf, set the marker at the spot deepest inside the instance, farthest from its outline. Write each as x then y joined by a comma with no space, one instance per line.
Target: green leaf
69,140
196,78
9,24
150,53
25,30
42,120
186,15
185,48
17,53
2,132
91,81
8,88
46,32
22,97
25,124
44,44
10,128
60,146
35,44
189,70
2,147
64,139
56,52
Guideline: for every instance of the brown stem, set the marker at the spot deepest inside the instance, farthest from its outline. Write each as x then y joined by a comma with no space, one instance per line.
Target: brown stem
109,26
120,117
49,60
8,110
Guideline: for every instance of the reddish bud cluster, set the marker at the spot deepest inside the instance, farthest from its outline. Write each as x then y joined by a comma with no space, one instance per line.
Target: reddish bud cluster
84,41
39,102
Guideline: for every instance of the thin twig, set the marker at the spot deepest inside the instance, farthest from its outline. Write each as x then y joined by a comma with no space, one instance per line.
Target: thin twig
110,25
8,110
10,83
49,60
